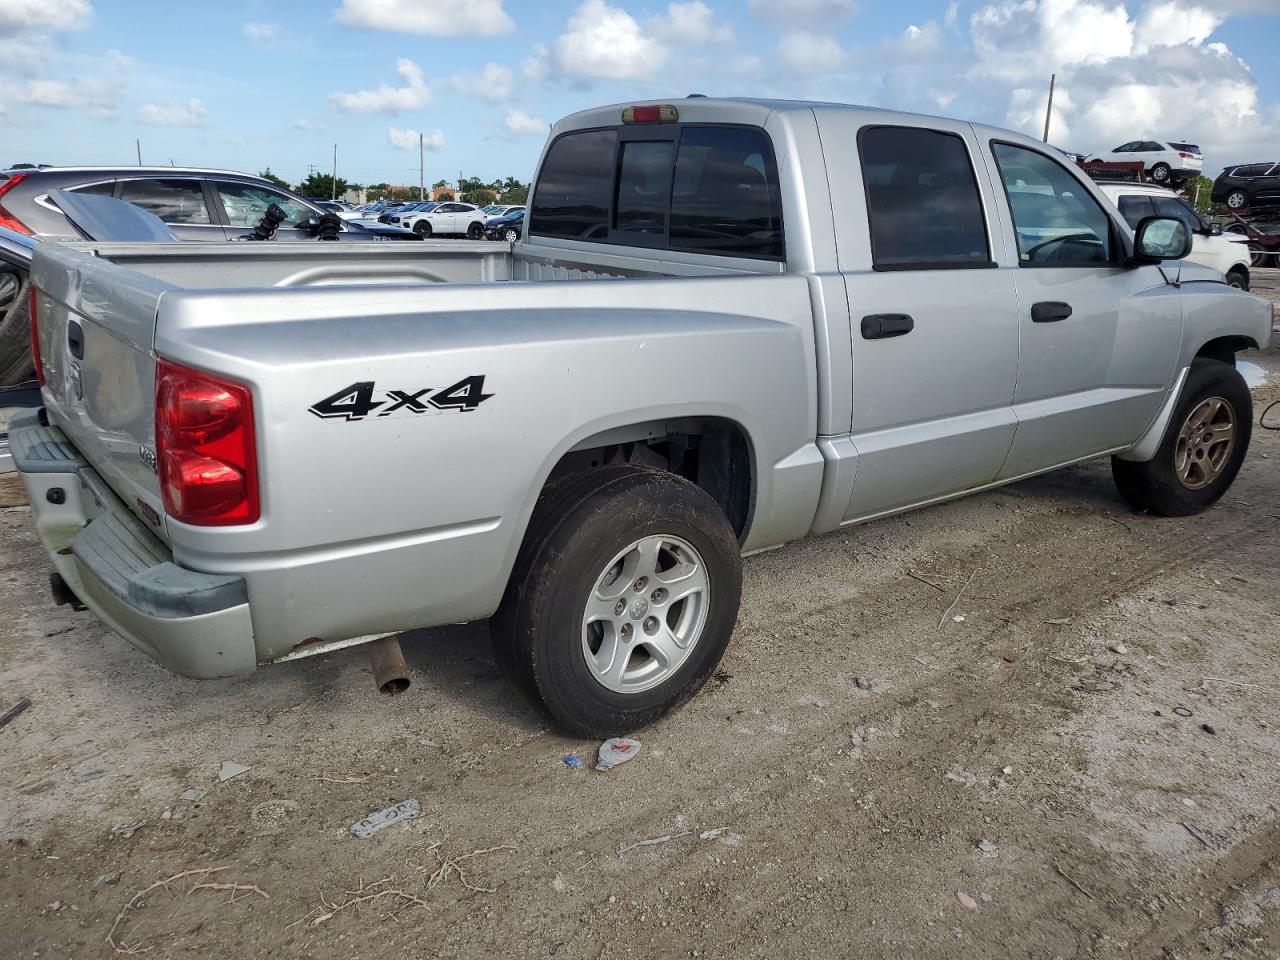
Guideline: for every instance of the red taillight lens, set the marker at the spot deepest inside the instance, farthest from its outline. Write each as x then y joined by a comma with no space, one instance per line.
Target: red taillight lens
6,218
205,446
1186,156
664,113
32,299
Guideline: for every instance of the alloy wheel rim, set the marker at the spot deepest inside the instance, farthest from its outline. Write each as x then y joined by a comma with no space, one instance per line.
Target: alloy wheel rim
645,614
1205,443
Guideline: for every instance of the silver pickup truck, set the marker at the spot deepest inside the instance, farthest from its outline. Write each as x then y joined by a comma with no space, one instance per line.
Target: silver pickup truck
729,324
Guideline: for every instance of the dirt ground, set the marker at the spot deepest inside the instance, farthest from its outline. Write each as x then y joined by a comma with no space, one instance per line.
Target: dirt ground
1027,724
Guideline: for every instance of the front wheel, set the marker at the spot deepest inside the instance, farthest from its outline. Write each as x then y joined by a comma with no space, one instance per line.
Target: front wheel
475,231
511,235
1238,277
422,228
1203,447
622,600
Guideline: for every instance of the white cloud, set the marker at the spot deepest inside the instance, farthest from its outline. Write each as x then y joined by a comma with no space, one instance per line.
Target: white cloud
261,32
606,42
66,93
520,124
537,66
302,123
189,114
1168,23
691,25
441,18
494,83
414,95
16,15
432,142
794,13
804,52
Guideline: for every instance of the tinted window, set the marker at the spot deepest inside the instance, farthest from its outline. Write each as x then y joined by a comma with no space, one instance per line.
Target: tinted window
1058,223
245,204
1135,208
575,187
644,185
922,200
173,201
1185,147
107,189
1150,146
1173,207
1251,170
725,197
1128,147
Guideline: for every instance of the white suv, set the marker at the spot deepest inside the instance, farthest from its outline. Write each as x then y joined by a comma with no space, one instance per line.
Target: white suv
1209,247
450,217
1164,161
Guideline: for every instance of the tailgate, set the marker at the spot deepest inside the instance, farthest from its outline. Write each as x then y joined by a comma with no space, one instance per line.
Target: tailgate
96,324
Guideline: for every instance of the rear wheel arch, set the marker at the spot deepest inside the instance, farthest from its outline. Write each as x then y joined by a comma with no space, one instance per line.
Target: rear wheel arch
1224,349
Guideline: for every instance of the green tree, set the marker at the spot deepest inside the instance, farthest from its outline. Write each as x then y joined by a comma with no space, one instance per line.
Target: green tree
377,191
321,185
1197,191
278,181
513,191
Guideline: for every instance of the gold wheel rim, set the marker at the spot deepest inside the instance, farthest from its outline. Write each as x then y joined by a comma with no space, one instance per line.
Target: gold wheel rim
1205,442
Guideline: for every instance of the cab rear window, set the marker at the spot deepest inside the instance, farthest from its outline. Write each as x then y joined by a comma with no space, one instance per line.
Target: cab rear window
701,189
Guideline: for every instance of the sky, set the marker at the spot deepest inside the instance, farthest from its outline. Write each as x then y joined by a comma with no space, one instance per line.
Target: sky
252,84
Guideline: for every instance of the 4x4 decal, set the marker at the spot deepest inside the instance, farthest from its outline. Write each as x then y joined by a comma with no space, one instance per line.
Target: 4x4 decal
355,402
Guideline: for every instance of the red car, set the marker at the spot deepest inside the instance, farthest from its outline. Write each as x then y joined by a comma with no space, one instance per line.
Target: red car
1264,237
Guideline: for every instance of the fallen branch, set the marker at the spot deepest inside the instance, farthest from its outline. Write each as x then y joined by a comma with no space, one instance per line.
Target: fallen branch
946,613
928,583
137,897
325,778
653,840
1072,880
234,888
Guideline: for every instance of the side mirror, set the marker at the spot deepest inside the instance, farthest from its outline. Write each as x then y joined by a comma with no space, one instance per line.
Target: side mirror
1161,238
1215,229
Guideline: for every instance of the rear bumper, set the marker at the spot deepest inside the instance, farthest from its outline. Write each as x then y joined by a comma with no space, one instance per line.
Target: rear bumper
196,624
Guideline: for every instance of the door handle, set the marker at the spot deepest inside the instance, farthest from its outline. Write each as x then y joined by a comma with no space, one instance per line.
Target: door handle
879,326
1049,311
75,339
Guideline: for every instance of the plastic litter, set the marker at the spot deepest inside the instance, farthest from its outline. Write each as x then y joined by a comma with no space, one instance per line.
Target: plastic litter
713,834
616,750
194,795
987,846
862,683
1182,711
231,769
573,760
1209,728
405,810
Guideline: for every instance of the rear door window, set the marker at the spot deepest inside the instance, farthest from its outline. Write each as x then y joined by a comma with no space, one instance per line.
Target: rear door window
1134,208
923,204
172,200
575,187
725,196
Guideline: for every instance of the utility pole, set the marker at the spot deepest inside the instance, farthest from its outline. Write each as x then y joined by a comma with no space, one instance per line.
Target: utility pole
422,186
138,144
1048,111
334,181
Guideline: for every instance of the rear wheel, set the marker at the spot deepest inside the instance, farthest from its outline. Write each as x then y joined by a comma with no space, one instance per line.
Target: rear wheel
15,328
622,600
1203,447
1237,200
422,228
1160,173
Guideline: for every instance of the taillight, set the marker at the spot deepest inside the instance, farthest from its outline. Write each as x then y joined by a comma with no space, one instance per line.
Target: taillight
205,447
32,298
659,114
6,218
1186,156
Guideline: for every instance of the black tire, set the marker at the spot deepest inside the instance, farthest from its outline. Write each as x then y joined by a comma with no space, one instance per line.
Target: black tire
15,328
511,235
1237,200
475,231
579,525
422,228
1155,485
1238,277
1257,255
1160,173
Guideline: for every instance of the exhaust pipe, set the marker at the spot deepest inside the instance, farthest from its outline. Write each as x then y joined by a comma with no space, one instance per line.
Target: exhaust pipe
386,660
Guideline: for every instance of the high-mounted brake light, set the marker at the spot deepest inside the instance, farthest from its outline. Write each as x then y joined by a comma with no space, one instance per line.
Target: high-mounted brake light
659,114
33,295
205,448
6,218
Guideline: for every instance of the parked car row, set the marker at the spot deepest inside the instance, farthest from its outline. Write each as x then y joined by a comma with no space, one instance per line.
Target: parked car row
427,218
